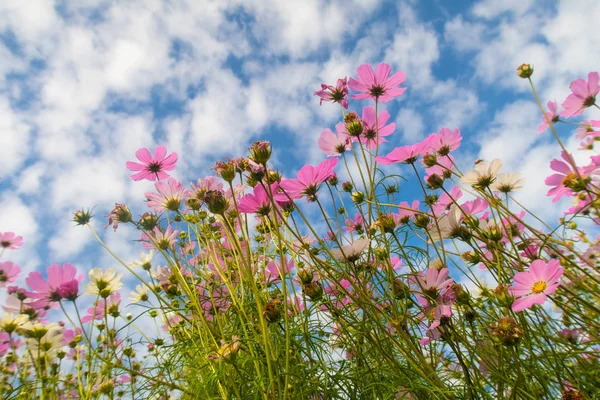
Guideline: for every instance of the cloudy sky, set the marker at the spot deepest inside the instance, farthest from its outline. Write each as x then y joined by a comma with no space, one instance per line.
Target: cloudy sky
84,84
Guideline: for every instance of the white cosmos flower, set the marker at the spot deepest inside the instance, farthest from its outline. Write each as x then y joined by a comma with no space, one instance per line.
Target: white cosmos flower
140,294
507,182
103,283
352,252
483,174
145,261
447,224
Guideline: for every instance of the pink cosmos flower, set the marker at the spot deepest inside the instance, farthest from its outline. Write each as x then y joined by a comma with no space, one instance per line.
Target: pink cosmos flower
377,85
531,287
589,128
583,95
111,305
8,272
552,115
444,202
405,212
333,145
337,94
8,240
152,168
432,283
565,179
443,168
445,141
309,179
209,183
403,154
356,224
63,283
476,206
159,239
259,202
375,129
169,196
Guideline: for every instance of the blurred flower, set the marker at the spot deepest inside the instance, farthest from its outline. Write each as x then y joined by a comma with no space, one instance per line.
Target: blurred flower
8,240
333,145
583,95
403,154
63,283
140,294
551,115
145,261
169,196
566,180
352,252
507,182
8,272
483,175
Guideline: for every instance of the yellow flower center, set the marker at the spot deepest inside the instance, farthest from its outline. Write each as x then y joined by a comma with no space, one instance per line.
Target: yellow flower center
539,287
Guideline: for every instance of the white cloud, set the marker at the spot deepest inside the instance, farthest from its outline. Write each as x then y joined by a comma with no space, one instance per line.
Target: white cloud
492,8
410,122
14,139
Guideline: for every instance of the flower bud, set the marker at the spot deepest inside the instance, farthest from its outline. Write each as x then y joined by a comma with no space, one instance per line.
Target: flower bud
506,331
271,311
357,197
260,151
525,71
354,126
216,202
400,289
82,217
347,186
313,290
305,275
226,170
422,220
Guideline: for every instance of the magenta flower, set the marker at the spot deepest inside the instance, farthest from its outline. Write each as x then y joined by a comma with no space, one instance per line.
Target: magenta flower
552,115
444,202
583,95
531,287
356,224
375,129
159,239
209,183
63,283
432,283
566,179
8,240
334,145
169,196
445,141
589,128
111,305
8,272
152,168
309,179
259,201
405,212
403,154
377,85
337,94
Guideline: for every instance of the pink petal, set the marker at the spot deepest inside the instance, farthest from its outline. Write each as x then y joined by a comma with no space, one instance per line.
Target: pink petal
144,156
366,75
159,153
133,166
382,73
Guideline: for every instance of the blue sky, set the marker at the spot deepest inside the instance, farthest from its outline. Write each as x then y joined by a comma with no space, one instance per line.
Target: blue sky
84,84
